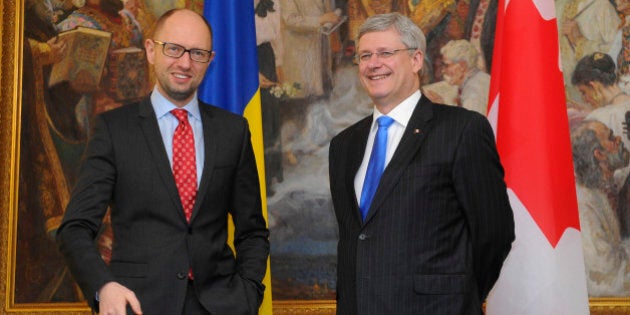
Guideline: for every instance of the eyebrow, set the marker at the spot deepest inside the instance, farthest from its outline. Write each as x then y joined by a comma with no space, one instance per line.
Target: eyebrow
377,49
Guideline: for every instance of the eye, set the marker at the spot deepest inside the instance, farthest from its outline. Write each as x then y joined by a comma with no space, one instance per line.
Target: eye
365,56
198,53
386,54
174,49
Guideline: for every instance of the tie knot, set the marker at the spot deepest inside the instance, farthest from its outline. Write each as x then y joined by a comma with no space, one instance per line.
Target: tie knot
180,114
384,122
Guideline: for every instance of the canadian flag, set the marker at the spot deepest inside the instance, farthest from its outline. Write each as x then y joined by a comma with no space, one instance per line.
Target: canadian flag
544,272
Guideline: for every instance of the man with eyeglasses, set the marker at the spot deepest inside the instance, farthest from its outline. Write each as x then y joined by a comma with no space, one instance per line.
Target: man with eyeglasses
417,188
170,168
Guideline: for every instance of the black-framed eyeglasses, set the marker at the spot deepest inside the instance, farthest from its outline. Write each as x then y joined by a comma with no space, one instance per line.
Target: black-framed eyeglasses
176,51
363,57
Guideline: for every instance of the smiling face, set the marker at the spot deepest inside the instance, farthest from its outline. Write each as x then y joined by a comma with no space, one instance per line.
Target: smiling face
179,78
388,81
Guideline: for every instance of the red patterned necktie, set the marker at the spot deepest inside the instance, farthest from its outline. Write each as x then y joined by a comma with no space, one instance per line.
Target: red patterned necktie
184,165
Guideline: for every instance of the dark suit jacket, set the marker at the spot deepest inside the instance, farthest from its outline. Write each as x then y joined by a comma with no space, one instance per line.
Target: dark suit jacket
126,167
439,226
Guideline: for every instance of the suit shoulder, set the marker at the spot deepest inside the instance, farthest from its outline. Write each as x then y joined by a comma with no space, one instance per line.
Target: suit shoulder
220,113
123,112
453,110
454,113
345,133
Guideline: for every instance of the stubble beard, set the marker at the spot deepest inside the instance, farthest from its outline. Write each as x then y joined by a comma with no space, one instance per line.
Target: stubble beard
181,96
619,159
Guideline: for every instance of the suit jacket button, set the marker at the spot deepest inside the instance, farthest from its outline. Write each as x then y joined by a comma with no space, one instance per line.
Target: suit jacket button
362,237
181,275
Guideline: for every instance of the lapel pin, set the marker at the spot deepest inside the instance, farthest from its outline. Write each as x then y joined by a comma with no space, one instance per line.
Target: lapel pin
416,131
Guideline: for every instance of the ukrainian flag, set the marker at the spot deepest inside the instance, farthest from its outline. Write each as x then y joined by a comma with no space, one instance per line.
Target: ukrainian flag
232,82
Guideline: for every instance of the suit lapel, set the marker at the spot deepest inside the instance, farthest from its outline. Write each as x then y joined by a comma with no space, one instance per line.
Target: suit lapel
210,132
415,133
151,131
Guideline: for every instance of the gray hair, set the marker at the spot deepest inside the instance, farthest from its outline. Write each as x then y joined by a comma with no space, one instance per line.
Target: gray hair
410,34
461,50
584,142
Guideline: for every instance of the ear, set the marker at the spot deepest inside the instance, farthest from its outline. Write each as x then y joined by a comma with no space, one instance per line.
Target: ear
417,60
599,156
149,47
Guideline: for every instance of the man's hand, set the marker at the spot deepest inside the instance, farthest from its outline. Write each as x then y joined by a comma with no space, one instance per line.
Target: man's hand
57,49
571,30
264,82
328,17
113,300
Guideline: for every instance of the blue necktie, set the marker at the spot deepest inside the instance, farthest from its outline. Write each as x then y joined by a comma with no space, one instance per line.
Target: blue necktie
376,165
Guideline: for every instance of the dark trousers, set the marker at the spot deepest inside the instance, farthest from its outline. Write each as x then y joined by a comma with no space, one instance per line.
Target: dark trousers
192,306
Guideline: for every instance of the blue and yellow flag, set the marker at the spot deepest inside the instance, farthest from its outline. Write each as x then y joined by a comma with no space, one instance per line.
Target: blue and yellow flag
232,82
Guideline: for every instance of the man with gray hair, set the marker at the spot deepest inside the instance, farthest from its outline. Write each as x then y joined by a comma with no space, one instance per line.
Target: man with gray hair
418,191
597,153
459,59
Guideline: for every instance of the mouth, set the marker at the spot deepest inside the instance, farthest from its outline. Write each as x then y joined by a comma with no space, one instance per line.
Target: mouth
378,77
181,76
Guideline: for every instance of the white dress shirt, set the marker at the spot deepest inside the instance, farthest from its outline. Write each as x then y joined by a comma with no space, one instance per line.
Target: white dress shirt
401,115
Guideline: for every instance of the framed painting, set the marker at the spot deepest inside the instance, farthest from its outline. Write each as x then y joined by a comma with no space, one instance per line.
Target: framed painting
33,277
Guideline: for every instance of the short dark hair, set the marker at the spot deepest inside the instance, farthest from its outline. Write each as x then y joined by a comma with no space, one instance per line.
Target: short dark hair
596,67
159,24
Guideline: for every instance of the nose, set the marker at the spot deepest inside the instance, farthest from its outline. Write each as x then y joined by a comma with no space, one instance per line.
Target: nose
185,60
373,62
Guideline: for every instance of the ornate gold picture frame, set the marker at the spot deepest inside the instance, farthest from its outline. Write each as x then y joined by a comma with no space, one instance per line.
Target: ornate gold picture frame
11,30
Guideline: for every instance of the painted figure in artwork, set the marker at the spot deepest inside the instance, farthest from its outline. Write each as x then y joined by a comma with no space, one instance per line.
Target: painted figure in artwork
309,61
584,27
270,48
51,144
597,154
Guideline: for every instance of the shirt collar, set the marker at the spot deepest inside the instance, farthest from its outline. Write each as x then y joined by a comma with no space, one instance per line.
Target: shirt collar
162,106
402,112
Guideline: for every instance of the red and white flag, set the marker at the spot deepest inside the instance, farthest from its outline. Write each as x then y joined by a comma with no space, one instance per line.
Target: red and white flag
544,272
